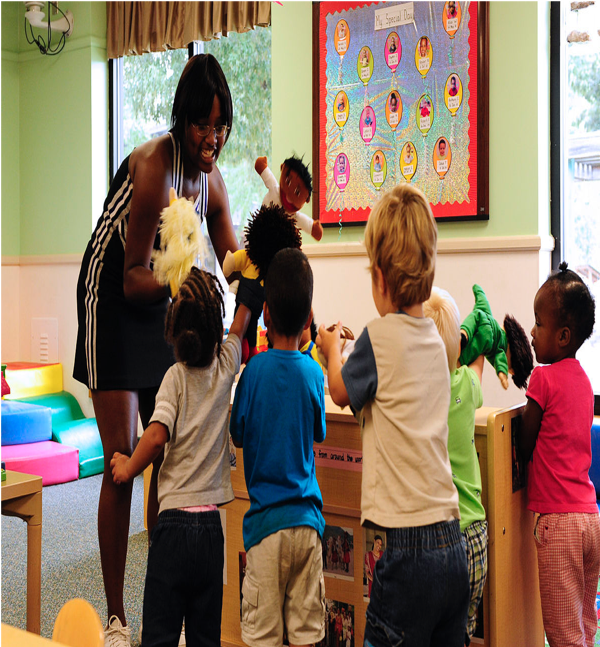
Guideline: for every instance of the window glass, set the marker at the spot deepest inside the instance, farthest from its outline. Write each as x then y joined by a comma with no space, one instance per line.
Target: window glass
580,158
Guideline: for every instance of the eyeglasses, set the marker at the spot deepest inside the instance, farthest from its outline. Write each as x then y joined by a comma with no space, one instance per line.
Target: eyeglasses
204,129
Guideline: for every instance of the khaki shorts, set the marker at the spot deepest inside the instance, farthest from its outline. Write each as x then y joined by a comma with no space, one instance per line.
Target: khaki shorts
284,589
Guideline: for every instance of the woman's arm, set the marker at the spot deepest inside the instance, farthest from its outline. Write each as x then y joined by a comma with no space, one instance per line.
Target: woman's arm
150,170
218,219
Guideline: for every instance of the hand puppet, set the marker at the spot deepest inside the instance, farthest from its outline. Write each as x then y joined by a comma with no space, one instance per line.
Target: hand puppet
291,192
347,345
181,243
506,348
269,230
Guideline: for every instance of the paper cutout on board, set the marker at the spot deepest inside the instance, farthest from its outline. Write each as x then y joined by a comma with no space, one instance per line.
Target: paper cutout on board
367,124
453,93
342,37
364,64
408,161
393,51
393,109
442,157
341,109
423,55
451,17
378,169
341,171
425,114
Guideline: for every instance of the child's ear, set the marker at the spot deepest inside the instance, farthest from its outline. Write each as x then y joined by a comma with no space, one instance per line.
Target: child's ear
564,337
266,314
309,320
380,282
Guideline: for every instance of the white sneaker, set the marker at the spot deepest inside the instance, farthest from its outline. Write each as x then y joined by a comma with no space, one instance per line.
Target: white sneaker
116,635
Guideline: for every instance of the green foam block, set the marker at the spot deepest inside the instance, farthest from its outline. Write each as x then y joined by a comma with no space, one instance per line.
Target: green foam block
84,435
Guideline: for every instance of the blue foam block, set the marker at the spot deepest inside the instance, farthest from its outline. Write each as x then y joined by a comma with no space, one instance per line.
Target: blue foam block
25,423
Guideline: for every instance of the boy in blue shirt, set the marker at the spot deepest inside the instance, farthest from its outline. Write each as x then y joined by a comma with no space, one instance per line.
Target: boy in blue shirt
277,415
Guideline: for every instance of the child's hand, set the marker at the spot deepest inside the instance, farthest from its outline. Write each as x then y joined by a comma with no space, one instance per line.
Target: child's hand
118,465
326,340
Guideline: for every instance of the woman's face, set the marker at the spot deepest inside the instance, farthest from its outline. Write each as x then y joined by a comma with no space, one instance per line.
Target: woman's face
204,150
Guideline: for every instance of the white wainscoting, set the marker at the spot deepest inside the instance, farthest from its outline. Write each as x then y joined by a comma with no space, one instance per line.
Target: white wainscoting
509,269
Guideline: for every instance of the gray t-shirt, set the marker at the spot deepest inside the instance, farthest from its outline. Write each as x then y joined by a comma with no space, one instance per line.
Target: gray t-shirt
193,403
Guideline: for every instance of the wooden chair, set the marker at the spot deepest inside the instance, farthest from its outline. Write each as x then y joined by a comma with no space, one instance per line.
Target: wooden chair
78,625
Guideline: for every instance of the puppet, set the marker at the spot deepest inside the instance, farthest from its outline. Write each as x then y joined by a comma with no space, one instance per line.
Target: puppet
268,230
292,192
181,243
347,342
506,348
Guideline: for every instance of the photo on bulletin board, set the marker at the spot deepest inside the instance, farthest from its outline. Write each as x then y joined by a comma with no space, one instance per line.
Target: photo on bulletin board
338,552
374,541
400,94
339,624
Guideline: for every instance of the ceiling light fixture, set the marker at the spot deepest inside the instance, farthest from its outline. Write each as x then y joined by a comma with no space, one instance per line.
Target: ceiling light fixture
34,17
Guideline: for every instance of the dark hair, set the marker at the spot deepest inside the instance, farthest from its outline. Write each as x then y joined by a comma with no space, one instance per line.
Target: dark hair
201,80
521,357
295,163
575,305
269,230
314,330
288,291
194,322
377,537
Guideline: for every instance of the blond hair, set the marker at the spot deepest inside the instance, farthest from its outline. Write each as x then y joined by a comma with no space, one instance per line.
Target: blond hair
442,308
401,240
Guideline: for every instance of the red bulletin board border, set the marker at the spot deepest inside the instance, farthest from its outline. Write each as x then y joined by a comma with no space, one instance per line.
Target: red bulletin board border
478,206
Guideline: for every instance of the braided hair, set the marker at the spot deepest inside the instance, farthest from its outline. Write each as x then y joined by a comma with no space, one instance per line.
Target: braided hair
575,305
194,322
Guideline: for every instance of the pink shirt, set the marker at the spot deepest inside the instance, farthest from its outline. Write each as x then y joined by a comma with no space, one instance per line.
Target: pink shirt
558,479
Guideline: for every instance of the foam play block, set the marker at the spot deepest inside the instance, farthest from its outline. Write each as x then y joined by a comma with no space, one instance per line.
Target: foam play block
84,435
595,467
25,423
29,378
65,407
54,462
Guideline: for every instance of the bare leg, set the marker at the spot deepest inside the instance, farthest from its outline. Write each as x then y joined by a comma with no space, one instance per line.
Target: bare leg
117,415
147,400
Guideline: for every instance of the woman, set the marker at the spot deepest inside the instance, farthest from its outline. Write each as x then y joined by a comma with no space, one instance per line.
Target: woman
121,353
371,558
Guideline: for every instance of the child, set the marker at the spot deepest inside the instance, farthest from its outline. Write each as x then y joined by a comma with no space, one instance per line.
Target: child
465,398
185,561
397,381
307,341
556,427
278,412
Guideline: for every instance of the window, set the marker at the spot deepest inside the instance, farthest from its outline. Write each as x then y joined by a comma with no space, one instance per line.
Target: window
142,91
575,161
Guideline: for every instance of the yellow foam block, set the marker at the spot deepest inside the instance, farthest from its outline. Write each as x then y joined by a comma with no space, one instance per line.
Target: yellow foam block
27,378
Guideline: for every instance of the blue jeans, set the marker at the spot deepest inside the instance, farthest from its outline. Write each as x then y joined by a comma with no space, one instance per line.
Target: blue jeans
420,594
184,580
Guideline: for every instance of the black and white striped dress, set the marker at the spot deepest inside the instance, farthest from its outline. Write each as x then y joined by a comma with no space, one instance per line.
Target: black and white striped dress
121,345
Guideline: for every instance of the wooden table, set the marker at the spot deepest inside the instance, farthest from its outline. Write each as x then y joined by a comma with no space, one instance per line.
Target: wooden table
22,497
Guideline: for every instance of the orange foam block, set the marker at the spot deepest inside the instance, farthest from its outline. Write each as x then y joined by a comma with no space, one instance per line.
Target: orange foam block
27,379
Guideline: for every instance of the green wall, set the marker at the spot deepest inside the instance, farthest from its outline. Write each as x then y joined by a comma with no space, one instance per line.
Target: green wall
54,125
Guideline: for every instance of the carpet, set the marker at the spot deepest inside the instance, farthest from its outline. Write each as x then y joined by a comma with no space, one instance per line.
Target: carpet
70,556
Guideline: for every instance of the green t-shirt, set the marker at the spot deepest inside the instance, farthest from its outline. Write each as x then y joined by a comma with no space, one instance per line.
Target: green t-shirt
465,398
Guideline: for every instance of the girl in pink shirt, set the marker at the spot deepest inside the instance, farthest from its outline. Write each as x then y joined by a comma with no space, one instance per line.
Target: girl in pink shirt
556,435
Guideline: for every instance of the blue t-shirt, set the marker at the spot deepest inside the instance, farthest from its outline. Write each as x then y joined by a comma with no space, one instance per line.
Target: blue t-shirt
278,413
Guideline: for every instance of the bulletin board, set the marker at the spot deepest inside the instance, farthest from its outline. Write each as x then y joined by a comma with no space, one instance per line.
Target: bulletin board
400,95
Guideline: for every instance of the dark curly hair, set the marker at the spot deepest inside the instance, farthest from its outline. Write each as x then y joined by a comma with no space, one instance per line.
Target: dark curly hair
295,163
575,305
521,357
269,230
194,322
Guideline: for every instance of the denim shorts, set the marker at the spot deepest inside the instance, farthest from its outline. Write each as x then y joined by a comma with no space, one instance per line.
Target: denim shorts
420,594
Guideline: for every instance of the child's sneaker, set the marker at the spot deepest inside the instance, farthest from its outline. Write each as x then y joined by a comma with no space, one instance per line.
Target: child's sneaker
116,635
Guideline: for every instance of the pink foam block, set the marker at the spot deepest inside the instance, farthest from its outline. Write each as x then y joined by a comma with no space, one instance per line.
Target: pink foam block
54,462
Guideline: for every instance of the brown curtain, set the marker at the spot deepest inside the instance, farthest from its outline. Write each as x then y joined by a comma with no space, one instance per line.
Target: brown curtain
140,27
